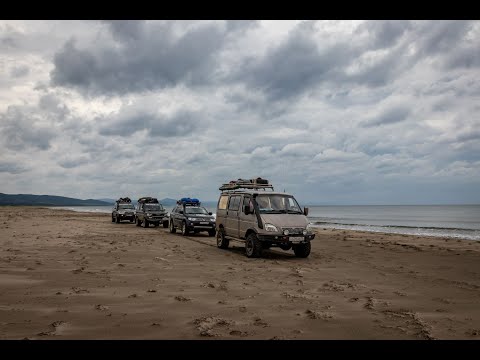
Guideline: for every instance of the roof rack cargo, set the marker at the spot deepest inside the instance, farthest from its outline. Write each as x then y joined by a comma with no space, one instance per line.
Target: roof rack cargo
257,183
148,200
124,200
189,201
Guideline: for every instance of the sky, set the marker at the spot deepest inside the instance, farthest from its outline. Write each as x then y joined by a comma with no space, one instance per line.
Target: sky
333,112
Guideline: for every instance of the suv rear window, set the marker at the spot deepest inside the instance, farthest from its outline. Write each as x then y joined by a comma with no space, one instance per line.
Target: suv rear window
222,203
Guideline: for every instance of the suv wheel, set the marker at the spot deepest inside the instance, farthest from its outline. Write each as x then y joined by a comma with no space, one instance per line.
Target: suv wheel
138,221
113,220
172,228
302,250
145,223
184,229
117,219
222,243
253,247
165,224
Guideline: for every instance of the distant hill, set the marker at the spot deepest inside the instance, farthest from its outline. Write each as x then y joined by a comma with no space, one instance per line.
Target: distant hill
47,200
110,201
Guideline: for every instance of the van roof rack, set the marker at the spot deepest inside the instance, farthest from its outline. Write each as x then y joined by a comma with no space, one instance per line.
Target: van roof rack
255,184
148,200
124,200
189,201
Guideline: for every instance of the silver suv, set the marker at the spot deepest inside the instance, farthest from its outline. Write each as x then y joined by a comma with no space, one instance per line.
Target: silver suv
123,210
252,212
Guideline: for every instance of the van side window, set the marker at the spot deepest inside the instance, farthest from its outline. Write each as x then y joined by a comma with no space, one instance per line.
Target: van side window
246,202
234,203
222,203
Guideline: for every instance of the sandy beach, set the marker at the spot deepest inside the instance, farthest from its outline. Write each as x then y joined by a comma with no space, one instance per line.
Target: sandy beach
71,275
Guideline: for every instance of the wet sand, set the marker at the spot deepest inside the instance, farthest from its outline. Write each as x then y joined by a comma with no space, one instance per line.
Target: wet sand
70,275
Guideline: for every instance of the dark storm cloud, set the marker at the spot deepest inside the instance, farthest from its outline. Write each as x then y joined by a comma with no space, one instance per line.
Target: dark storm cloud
11,167
21,129
182,123
295,66
127,30
441,36
148,57
385,33
72,163
390,116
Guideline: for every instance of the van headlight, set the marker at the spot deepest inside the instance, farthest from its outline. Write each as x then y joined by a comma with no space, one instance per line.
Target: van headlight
270,227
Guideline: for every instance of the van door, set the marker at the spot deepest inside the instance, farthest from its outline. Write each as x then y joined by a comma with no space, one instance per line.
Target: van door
231,221
245,222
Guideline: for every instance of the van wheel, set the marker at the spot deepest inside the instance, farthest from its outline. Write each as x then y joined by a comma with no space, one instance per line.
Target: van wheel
302,250
184,229
138,221
172,228
145,223
165,224
222,243
253,247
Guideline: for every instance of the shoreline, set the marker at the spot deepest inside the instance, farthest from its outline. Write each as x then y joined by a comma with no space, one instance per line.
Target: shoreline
76,275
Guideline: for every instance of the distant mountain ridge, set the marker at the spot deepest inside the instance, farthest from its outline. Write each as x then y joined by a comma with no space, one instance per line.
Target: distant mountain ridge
47,200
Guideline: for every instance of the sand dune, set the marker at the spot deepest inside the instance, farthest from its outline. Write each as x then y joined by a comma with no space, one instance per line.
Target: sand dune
68,275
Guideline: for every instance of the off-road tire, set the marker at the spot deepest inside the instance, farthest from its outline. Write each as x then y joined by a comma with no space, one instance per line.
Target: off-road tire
117,219
138,221
302,250
253,247
145,223
113,219
184,229
222,243
172,228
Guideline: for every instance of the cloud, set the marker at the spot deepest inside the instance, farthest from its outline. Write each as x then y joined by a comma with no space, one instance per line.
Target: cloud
181,123
21,128
142,57
389,116
11,167
19,71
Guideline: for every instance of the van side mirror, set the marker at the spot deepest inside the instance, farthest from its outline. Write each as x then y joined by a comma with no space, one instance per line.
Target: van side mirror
305,211
210,213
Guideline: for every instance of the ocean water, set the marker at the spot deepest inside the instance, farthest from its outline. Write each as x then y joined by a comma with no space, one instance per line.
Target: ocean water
455,221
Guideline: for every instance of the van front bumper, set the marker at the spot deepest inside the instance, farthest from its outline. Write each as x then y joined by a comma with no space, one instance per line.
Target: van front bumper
285,239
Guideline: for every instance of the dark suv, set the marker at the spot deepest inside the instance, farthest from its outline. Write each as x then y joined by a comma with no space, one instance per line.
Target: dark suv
123,210
189,216
150,211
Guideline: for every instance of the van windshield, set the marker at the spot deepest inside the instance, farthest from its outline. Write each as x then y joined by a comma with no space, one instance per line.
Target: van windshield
278,204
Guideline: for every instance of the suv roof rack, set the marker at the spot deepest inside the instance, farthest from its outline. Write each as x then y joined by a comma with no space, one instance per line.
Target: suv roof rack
124,200
148,200
189,201
255,184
